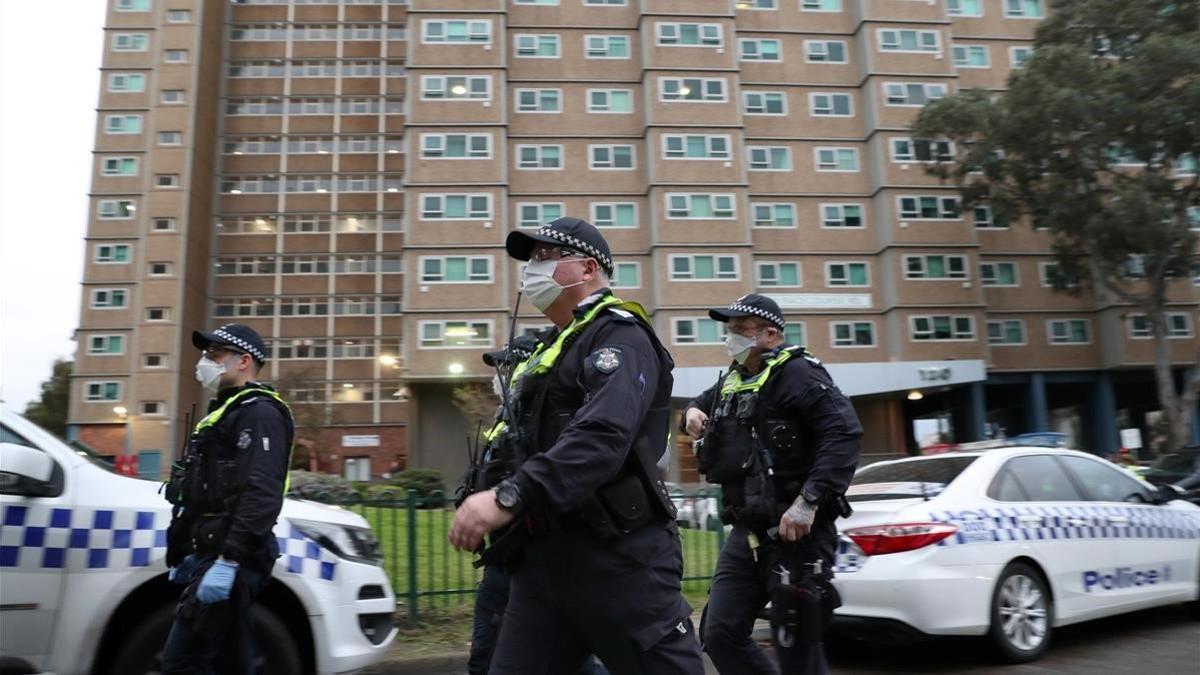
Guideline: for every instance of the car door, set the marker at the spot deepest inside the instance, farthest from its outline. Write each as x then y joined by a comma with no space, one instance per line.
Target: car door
34,536
1156,554
1060,530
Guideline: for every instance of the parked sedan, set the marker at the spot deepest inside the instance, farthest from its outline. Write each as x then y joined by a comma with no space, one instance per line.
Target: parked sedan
1009,543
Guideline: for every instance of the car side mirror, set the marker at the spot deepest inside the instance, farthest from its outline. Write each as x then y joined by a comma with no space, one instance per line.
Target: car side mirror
25,471
1168,493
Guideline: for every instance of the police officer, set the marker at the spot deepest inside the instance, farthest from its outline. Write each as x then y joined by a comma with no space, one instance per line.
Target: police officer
227,491
783,443
600,566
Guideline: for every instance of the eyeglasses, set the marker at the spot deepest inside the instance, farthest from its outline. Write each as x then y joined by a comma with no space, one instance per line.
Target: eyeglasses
213,351
561,253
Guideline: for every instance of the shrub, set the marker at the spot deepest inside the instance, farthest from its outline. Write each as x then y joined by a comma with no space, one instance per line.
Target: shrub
321,487
425,482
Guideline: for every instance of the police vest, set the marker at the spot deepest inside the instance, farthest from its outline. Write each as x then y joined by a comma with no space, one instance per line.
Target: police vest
749,435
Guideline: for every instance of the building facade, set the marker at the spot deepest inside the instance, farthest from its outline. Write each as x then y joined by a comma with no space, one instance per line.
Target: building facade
341,175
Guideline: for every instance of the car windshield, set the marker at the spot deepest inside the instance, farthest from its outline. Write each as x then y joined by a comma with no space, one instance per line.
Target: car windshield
1182,462
904,480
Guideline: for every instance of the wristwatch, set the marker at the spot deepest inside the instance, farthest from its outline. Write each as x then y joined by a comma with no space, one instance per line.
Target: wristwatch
508,495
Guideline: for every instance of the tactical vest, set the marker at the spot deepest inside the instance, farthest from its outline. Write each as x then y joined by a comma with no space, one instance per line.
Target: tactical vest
750,436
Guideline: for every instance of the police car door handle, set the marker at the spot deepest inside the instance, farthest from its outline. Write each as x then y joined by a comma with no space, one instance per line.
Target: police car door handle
1078,522
1118,520
1030,520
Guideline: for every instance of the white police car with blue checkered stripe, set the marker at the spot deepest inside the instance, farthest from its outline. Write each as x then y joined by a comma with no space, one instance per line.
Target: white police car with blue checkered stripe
1010,543
83,584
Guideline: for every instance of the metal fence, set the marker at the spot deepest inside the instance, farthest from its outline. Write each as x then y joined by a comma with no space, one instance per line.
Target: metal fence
426,572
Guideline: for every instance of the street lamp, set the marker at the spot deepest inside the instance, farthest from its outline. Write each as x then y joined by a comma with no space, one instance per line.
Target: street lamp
915,395
456,368
121,411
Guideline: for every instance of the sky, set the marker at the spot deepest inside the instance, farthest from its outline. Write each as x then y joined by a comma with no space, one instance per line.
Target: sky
49,73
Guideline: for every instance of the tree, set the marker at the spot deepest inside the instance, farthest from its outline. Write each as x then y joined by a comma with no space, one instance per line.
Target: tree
476,403
1096,140
309,418
50,411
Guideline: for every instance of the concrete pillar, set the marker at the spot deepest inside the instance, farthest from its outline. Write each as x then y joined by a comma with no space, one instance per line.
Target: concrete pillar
1037,417
978,411
1104,415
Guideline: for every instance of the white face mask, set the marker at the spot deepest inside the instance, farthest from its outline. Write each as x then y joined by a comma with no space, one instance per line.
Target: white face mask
739,346
538,282
208,373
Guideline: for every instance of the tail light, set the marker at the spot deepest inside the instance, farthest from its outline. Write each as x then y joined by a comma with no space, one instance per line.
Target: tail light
881,539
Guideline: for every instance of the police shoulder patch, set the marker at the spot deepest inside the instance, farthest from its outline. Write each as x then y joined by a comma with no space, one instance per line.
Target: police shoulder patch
607,359
244,439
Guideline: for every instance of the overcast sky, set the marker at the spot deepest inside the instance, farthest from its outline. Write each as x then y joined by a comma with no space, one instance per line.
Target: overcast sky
49,60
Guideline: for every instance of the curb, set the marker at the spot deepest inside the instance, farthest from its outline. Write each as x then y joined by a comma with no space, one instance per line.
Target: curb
421,665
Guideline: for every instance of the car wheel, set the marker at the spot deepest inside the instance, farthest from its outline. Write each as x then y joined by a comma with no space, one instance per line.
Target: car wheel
1022,615
140,652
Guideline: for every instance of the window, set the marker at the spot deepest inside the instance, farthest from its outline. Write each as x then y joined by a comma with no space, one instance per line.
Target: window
1018,56
841,215
119,166
825,51
537,46
929,208
759,50
1103,482
175,56
837,159
154,360
971,56
764,103
1068,331
106,345
852,333
699,205
614,214
1010,332
164,224
456,207
610,100
774,215
964,7
678,146
449,87
122,124
538,214
126,82
456,146
454,334
166,180
475,32
161,269
935,267
893,40
921,150
102,391
153,408
534,2
769,158
606,46
627,275
1049,272
756,4
606,3
112,253
161,314
539,100
115,209
998,274
130,42
847,274
170,138
793,333
173,96
698,332
540,157
179,16
704,268
1024,9
610,157
456,269
941,328
689,34
1178,325
821,5
710,90
1035,478
983,219
912,93
778,274
108,298
133,5
830,105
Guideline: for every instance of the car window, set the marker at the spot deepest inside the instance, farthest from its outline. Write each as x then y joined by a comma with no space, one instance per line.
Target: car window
904,480
9,436
1042,479
1104,483
1006,489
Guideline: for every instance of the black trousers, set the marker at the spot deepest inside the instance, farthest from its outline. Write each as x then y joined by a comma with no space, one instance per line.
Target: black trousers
740,590
215,638
574,595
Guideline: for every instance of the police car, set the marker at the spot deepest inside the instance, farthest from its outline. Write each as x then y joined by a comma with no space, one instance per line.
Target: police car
1009,543
83,585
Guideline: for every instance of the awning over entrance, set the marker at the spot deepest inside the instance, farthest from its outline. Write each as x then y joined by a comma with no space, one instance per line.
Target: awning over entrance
859,379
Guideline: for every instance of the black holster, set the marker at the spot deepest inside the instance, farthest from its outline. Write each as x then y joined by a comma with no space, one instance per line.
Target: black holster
618,508
802,607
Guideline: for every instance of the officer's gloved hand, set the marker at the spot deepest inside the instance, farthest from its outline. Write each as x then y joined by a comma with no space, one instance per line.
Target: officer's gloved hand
185,571
217,582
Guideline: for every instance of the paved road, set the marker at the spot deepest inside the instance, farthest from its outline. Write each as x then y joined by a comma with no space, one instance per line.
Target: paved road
1165,640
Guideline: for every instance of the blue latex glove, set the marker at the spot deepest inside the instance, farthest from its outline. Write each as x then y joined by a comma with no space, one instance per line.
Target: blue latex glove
185,571
217,582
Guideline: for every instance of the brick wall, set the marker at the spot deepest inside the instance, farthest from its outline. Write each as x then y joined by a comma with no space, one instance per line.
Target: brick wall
105,439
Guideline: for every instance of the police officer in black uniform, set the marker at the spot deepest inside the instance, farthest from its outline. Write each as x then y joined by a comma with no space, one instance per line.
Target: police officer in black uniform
598,565
783,443
227,491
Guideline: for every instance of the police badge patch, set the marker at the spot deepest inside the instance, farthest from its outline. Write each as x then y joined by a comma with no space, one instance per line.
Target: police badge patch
244,439
607,359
